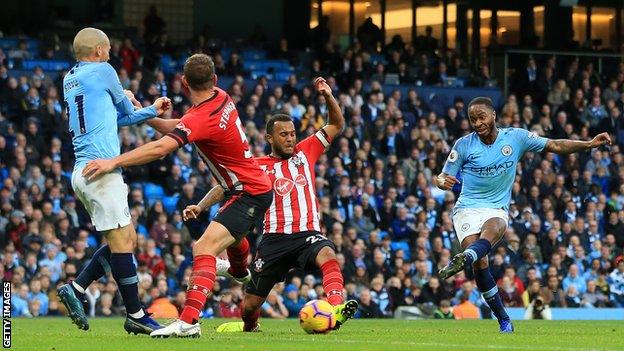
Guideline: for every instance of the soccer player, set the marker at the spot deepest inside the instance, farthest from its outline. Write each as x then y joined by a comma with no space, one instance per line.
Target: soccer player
487,159
292,234
212,124
96,105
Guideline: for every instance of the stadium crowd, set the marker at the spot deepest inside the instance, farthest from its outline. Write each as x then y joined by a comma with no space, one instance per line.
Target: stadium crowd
391,226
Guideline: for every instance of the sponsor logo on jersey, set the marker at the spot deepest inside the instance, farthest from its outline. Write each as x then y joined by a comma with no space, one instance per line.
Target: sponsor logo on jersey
283,186
301,180
183,128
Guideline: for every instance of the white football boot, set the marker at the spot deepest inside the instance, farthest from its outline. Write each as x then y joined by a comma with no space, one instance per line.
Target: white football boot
178,329
223,267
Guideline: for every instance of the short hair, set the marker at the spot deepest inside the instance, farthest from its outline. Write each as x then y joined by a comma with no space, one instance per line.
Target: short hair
199,72
280,117
482,100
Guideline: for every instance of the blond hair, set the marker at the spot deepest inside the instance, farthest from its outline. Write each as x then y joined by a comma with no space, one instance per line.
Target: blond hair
87,40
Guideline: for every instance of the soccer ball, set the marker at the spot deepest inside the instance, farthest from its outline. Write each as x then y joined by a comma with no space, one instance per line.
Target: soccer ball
317,317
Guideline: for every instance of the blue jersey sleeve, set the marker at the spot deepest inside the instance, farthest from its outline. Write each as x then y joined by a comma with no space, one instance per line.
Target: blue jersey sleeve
529,141
136,116
113,86
455,159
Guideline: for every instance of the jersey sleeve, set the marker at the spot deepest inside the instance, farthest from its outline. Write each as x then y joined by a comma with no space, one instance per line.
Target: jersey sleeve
529,141
191,128
113,86
136,117
455,159
315,145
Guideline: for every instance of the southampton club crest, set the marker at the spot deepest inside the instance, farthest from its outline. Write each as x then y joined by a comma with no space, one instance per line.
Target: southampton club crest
506,150
258,264
296,160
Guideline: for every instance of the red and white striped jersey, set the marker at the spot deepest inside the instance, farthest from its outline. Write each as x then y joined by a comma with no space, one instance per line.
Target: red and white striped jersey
295,206
214,127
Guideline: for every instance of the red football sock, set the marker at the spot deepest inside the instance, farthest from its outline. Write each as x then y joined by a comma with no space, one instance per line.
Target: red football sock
333,282
201,282
238,258
250,318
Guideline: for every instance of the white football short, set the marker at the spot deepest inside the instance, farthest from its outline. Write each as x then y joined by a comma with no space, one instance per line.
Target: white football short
468,221
105,198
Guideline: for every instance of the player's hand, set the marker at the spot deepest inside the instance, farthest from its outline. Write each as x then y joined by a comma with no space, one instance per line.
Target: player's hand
97,168
446,182
191,211
162,104
322,87
133,99
600,140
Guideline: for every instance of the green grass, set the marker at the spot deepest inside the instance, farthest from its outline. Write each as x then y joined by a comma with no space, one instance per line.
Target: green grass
58,334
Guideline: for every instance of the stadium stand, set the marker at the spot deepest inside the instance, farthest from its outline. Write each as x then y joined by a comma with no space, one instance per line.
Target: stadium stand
378,202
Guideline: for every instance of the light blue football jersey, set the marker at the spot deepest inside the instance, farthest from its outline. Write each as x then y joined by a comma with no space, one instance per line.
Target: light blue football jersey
96,105
489,171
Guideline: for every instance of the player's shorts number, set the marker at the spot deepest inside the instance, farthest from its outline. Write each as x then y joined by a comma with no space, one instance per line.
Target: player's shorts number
315,238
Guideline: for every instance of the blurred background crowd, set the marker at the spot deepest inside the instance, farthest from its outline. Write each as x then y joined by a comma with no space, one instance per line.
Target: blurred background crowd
391,226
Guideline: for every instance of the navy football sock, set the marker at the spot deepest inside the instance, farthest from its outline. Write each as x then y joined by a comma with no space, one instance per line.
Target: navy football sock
97,267
125,275
477,250
489,290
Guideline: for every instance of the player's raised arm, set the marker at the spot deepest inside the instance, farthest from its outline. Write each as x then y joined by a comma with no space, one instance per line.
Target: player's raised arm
567,146
215,195
336,121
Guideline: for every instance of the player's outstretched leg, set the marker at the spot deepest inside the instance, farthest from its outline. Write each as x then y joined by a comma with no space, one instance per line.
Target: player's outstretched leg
237,255
333,285
72,294
487,285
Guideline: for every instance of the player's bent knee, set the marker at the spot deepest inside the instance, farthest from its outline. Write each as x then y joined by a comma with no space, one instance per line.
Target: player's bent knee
324,255
121,240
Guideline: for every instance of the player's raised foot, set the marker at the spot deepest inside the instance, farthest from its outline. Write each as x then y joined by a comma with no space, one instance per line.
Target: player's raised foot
143,325
222,267
235,327
243,279
454,266
74,306
506,326
178,329
344,312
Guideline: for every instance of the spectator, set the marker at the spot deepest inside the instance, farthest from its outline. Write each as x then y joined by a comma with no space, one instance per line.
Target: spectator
367,307
466,309
444,311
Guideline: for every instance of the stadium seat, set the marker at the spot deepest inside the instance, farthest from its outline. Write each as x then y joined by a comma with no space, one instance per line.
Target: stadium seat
153,192
401,245
170,203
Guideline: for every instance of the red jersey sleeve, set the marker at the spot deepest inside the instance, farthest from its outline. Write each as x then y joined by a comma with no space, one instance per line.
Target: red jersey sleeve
192,127
315,145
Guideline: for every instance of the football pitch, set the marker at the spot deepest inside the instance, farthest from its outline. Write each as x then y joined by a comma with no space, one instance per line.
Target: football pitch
58,334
